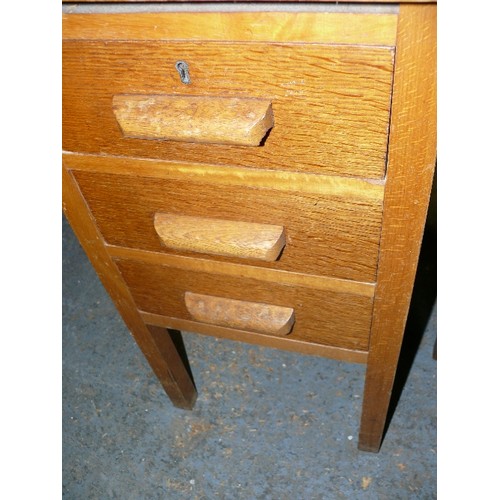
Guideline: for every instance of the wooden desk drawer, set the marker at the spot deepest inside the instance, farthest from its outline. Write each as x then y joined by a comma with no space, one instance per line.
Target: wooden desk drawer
331,226
330,102
322,317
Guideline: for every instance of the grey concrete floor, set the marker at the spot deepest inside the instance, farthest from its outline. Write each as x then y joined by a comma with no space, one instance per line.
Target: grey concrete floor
268,424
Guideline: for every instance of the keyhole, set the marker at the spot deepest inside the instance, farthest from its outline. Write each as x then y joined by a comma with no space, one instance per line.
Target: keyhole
183,70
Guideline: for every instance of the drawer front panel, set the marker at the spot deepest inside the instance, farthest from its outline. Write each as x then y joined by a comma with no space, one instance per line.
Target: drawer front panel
328,318
323,234
330,103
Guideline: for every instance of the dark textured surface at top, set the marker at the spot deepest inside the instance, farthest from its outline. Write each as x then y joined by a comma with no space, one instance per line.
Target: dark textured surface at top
268,424
92,6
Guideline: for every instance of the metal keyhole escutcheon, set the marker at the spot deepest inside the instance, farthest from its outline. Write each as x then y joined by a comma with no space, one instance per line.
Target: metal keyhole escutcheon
183,70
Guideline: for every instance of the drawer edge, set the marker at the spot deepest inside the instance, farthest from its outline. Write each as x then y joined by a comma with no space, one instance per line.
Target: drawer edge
244,271
353,188
288,344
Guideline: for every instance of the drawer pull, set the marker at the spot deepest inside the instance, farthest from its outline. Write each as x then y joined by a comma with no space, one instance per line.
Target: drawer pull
220,237
216,120
241,315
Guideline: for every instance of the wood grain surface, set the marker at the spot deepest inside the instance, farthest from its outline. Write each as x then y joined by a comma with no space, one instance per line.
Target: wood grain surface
220,237
212,120
412,157
240,314
322,317
330,102
346,187
310,27
325,235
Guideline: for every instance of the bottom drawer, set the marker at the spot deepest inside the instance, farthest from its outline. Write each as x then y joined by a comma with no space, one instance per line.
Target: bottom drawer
321,317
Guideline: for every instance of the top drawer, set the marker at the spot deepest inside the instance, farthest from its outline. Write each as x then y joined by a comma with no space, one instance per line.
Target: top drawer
330,101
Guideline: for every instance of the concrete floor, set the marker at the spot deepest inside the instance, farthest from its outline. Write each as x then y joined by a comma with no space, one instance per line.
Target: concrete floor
268,424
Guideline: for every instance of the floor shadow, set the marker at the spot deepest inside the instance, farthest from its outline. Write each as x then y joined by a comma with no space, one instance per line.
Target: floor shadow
178,341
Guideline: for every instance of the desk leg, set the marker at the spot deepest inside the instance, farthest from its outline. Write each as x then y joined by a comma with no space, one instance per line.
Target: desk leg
157,344
379,380
176,378
410,171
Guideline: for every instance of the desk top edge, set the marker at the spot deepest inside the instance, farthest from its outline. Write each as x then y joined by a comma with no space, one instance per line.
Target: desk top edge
246,1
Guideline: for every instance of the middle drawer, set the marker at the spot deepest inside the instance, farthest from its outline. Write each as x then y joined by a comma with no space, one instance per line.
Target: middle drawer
331,226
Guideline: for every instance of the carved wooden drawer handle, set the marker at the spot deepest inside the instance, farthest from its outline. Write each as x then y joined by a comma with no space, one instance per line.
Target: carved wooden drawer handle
216,120
220,237
241,315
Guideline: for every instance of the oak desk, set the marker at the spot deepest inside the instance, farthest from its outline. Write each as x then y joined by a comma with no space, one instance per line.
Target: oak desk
255,172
